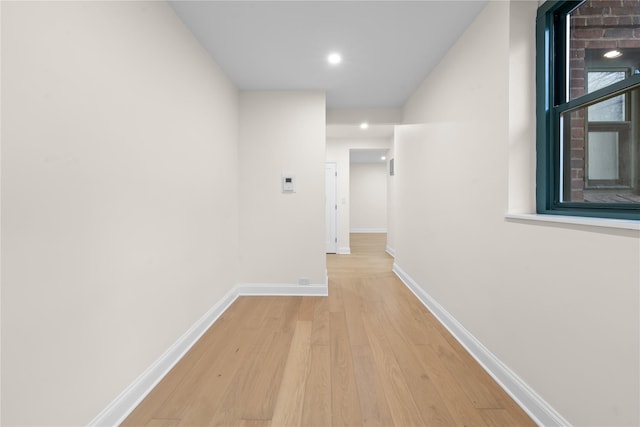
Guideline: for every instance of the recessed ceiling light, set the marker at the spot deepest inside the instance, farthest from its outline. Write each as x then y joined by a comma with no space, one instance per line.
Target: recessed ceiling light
612,54
364,125
334,58
383,158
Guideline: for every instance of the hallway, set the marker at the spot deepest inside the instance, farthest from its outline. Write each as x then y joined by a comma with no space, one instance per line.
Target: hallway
368,354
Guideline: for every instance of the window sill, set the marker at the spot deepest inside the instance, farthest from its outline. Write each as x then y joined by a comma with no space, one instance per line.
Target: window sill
626,224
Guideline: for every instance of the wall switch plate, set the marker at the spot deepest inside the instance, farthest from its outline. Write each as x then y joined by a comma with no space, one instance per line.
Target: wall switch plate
288,183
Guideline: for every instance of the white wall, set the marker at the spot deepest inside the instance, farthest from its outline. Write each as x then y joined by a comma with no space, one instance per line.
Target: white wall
282,236
119,226
558,304
373,116
368,192
337,150
392,212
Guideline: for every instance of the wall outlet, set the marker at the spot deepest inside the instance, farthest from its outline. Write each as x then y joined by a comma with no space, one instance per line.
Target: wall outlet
303,281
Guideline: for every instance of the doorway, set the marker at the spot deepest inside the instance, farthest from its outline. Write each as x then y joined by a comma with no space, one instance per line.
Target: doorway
331,207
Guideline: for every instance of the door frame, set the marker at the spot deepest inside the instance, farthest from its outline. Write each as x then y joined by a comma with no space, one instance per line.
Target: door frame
331,207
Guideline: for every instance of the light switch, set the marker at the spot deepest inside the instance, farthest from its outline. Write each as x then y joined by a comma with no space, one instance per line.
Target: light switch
288,183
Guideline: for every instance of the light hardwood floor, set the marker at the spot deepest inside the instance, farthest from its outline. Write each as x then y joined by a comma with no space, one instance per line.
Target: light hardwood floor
368,354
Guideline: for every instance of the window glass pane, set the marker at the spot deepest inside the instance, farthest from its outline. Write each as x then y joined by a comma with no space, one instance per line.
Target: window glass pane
602,155
600,161
603,36
600,79
572,156
611,110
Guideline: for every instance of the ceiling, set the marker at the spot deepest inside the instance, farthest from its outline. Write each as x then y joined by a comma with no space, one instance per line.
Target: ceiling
388,47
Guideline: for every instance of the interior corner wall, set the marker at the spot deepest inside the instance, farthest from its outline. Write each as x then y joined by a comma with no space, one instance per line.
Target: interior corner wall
559,305
0,216
282,236
338,150
368,192
391,200
119,202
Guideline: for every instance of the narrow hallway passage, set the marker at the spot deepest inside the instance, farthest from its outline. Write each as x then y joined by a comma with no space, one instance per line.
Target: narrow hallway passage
368,354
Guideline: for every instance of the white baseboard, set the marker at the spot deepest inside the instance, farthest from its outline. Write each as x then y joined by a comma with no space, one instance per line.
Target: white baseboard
344,251
540,411
368,230
390,251
118,410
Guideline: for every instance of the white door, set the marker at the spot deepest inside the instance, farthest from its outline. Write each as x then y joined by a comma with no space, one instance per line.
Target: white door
331,207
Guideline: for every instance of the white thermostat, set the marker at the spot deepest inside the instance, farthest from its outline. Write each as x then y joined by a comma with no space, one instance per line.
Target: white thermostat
288,183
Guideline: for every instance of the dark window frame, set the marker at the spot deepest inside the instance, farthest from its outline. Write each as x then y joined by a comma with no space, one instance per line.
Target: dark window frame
551,82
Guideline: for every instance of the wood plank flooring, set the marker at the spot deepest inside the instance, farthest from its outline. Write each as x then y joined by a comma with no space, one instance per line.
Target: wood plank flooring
369,354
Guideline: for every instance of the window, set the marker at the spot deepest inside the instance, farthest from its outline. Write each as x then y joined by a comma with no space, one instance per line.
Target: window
588,113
